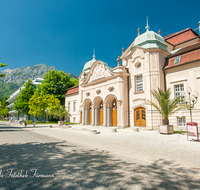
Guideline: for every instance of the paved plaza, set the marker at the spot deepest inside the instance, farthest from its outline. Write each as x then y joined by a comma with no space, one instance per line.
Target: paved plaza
77,158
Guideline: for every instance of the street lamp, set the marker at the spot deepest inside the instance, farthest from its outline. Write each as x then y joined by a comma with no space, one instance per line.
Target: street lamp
191,101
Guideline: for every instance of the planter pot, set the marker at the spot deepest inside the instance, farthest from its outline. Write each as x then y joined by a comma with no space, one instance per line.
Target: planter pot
166,129
60,122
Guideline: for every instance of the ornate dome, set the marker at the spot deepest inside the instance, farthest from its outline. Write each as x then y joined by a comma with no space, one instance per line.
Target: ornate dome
89,64
150,40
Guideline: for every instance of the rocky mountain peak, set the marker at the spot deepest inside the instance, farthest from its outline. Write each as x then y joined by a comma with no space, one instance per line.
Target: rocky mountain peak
20,75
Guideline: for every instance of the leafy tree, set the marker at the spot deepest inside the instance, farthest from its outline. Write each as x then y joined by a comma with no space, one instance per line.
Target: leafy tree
3,65
60,111
21,103
73,82
165,106
3,108
39,102
56,83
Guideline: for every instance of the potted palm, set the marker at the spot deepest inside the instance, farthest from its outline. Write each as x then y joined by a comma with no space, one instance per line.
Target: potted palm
61,112
166,107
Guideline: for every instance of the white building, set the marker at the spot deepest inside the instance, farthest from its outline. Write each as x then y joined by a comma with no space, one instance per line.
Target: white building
116,96
13,97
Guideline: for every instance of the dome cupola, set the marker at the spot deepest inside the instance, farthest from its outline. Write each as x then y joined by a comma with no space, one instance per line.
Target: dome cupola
150,40
89,64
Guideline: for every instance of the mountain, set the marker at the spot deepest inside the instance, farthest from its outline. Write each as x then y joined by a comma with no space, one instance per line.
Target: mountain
16,77
20,75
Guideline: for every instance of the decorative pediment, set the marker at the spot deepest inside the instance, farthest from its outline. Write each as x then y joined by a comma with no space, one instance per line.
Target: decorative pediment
99,71
137,55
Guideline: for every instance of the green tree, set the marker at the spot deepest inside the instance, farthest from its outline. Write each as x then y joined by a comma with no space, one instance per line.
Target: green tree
3,65
39,102
73,82
3,108
56,83
21,103
60,111
165,105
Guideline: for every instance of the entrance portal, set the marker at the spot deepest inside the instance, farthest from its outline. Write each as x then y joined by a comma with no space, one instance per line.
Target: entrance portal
114,113
101,114
140,117
90,118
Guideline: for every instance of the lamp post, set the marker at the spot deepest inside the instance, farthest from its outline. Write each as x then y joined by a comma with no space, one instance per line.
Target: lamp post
191,101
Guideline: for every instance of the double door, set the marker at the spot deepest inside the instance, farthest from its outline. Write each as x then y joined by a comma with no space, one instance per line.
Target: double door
140,117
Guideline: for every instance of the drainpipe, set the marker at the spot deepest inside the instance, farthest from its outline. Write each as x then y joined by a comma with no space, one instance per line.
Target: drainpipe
163,69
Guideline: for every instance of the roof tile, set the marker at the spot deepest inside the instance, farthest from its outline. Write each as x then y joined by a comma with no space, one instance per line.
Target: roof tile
73,90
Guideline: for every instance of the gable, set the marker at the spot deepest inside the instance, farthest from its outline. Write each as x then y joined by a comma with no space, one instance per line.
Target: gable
98,71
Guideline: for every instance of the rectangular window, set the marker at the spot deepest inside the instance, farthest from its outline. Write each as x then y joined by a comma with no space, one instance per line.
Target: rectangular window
139,83
181,122
179,91
74,106
68,107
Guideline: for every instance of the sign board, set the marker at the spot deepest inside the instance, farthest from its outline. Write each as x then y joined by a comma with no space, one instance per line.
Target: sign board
192,131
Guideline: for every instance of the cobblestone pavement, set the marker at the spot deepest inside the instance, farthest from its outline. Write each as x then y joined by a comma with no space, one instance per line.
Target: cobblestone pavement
36,161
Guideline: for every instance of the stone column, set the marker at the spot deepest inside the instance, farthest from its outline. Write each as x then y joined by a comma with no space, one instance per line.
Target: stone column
97,119
118,114
104,115
96,122
109,116
83,116
87,115
93,115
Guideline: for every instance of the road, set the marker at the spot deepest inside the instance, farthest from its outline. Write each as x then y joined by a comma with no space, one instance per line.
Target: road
35,161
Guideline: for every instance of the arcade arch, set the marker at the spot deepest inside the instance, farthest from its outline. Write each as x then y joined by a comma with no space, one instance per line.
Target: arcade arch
111,110
98,111
87,112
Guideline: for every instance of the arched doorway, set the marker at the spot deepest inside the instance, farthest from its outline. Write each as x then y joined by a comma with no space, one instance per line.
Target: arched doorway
114,113
98,111
81,117
87,112
101,114
140,117
90,117
111,114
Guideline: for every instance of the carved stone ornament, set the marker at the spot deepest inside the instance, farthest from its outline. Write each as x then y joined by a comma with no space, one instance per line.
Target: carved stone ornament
87,94
110,89
138,65
100,71
98,91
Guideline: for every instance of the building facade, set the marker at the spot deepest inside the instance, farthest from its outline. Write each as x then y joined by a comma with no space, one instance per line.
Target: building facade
116,96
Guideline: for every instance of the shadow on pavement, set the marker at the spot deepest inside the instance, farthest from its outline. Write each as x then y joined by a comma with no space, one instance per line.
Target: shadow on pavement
75,167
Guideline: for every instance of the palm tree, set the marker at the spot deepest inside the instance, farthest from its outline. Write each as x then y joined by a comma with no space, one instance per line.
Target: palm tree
60,111
165,106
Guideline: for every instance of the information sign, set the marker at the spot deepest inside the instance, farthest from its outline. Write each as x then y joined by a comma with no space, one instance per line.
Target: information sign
192,131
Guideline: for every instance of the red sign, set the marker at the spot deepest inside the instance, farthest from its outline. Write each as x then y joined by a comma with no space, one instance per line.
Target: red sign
192,131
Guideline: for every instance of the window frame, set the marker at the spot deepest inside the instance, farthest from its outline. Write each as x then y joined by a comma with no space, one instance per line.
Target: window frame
182,121
68,106
139,83
177,59
177,93
74,106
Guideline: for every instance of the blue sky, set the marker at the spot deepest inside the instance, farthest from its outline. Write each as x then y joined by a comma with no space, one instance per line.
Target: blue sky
63,33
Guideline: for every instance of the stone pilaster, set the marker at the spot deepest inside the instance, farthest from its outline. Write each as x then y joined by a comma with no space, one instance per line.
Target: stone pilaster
104,115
